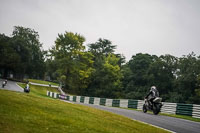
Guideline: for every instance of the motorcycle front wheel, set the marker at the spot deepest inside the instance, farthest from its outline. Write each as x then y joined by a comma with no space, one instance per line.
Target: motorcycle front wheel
144,108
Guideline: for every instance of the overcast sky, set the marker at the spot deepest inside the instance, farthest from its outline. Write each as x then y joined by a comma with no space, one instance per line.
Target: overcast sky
149,26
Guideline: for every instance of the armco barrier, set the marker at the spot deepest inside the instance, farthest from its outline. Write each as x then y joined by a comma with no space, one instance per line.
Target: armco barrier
140,104
82,98
196,111
109,102
86,101
78,98
102,101
71,98
96,101
169,108
115,102
123,103
67,98
74,98
184,109
132,103
91,100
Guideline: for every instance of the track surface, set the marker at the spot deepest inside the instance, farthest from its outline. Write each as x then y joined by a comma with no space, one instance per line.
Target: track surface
43,85
169,123
11,85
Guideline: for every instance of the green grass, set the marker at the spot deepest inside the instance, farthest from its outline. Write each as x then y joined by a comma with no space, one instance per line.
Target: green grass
53,90
39,90
42,82
36,113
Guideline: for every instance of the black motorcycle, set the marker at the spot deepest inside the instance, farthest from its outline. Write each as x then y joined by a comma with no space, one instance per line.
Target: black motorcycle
26,89
155,106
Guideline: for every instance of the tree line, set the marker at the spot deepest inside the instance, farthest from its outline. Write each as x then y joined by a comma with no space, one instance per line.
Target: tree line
21,54
96,70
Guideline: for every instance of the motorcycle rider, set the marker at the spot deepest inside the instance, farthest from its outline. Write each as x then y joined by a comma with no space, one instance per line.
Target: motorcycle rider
3,84
27,89
152,95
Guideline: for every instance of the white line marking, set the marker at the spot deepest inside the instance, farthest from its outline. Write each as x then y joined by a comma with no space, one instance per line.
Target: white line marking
19,87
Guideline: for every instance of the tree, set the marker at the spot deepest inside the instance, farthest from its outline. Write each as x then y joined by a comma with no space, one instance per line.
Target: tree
10,60
137,83
162,74
187,77
72,61
113,76
26,43
106,77
21,54
102,47
196,96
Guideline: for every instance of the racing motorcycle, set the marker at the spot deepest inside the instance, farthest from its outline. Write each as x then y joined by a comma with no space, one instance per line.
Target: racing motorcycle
3,84
155,106
26,89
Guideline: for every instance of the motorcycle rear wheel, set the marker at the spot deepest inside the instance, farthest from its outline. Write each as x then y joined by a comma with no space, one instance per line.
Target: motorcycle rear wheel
156,109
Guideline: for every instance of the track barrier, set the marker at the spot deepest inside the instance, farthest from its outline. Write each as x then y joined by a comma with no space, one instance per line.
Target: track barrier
168,108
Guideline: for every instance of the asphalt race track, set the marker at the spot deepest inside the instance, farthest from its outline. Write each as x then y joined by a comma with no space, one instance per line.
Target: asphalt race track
169,123
11,85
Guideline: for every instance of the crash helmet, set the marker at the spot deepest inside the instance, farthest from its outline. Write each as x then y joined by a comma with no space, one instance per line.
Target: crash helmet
153,88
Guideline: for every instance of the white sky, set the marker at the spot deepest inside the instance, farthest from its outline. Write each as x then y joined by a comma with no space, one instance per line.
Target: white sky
148,26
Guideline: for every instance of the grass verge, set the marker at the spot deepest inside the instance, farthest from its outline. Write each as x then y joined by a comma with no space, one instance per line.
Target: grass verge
34,112
39,90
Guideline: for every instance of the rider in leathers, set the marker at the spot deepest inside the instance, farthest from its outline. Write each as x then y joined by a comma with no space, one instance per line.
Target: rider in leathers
152,95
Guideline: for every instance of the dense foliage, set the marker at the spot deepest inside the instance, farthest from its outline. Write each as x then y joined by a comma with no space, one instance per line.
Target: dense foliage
98,70
177,79
72,64
21,55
